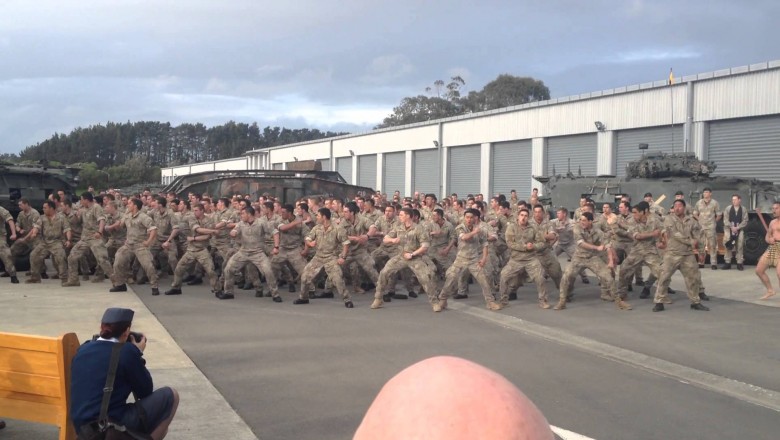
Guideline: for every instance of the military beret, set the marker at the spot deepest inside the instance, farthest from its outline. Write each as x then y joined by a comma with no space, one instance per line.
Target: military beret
679,193
114,315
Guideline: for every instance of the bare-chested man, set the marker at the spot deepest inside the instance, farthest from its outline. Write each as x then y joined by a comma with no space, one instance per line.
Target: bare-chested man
772,255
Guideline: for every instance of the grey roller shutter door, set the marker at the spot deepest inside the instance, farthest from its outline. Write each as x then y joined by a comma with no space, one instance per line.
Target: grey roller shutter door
367,171
277,166
582,149
344,167
394,174
325,164
510,167
666,139
746,147
464,170
426,171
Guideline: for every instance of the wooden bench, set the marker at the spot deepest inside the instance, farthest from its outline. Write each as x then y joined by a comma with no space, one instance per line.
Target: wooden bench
35,379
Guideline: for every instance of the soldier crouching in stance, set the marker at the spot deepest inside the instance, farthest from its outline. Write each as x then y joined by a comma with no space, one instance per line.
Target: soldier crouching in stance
772,255
139,225
89,371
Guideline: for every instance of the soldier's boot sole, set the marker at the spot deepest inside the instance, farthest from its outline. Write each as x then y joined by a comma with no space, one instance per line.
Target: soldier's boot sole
377,304
561,305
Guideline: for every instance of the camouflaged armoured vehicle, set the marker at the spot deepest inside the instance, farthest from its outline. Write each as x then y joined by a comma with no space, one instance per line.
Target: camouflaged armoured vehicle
663,175
286,185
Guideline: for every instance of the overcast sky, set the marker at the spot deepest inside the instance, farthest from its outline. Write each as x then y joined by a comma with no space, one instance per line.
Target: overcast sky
339,65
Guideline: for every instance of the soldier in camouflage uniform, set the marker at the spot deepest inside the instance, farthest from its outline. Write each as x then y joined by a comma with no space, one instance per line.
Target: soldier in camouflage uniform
163,219
472,257
548,260
443,240
413,242
332,246
116,231
591,243
139,226
563,227
708,213
25,222
5,251
292,232
358,257
201,228
93,223
225,219
74,220
644,231
679,238
250,233
523,241
53,228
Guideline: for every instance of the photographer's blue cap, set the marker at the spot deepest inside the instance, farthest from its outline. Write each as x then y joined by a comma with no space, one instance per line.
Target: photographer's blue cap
114,315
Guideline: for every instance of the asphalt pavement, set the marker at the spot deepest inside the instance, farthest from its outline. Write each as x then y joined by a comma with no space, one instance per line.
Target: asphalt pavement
311,371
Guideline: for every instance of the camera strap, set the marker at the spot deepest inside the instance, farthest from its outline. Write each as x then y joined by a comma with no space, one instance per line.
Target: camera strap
109,388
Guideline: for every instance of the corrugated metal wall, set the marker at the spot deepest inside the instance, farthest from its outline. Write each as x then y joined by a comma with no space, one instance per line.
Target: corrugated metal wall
666,139
325,164
737,96
746,147
425,165
394,176
510,167
277,166
464,170
367,170
344,167
581,149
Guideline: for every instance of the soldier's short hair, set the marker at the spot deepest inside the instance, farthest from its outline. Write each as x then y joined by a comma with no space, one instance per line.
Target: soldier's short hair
416,213
99,200
67,202
370,202
525,210
408,211
737,196
706,189
186,203
588,216
642,206
162,201
504,204
86,195
289,208
51,204
269,205
352,207
474,212
325,212
249,210
304,207
225,201
680,201
431,195
138,204
439,211
538,206
563,210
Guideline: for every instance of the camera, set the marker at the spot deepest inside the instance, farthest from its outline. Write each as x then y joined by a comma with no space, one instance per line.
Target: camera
135,337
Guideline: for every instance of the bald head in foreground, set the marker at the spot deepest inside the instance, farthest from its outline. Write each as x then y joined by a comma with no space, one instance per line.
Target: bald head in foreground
449,390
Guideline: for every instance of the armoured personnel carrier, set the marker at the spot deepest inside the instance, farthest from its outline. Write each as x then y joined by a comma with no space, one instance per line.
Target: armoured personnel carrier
663,175
286,185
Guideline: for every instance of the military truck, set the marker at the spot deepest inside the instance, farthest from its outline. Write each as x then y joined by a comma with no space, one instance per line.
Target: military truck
285,185
34,183
663,175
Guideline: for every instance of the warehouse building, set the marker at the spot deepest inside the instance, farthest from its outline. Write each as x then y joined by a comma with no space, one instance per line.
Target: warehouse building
729,116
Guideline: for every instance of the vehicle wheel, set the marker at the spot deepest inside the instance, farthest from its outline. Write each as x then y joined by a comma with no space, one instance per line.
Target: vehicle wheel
755,245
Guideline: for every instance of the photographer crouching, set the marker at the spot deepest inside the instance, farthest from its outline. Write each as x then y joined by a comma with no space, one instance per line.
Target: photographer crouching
105,371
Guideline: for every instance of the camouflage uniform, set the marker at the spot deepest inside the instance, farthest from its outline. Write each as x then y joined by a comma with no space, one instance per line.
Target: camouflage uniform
25,221
707,212
116,237
52,232
643,251
221,243
74,220
522,260
358,256
165,258
547,259
445,235
5,251
385,251
290,248
412,238
90,221
329,244
622,240
197,252
251,237
492,267
138,228
589,259
469,254
680,233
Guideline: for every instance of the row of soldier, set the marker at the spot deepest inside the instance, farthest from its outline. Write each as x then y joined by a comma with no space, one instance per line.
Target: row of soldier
440,244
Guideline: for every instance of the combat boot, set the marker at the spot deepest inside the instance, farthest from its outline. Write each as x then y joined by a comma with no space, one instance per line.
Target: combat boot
32,280
437,307
645,293
701,307
607,297
561,304
543,304
492,305
377,304
173,291
622,305
70,283
14,279
98,278
703,296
